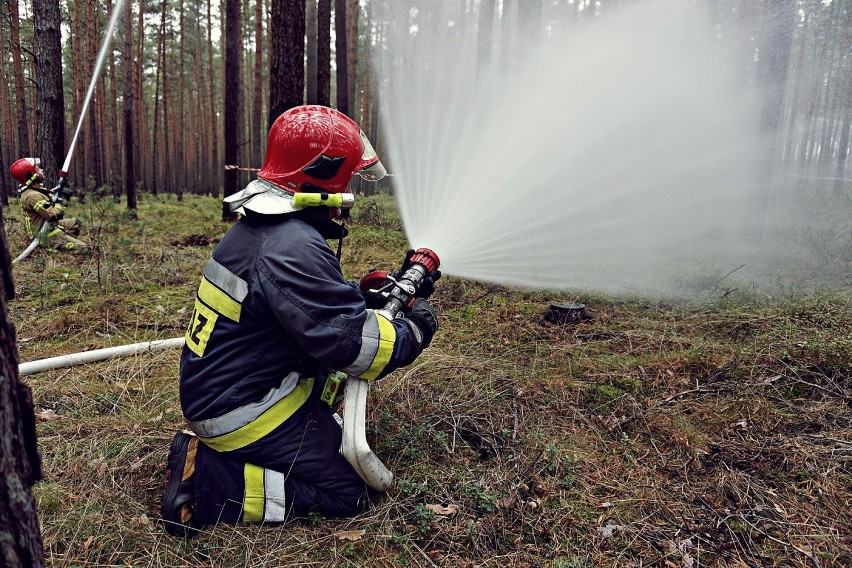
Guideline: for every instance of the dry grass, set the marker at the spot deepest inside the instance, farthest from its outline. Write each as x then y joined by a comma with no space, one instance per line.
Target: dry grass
653,434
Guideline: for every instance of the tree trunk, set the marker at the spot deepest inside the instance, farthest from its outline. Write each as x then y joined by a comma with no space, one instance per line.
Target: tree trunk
180,139
94,146
20,465
6,146
773,62
352,58
286,57
257,133
168,166
127,102
24,147
140,141
78,165
342,100
324,52
50,104
843,145
115,142
233,51
311,55
215,164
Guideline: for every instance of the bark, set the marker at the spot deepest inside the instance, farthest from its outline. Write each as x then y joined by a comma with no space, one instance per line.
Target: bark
18,68
140,141
352,57
311,55
20,465
78,165
257,136
50,104
233,50
286,57
94,139
115,142
127,102
324,52
215,164
342,91
180,138
155,155
6,146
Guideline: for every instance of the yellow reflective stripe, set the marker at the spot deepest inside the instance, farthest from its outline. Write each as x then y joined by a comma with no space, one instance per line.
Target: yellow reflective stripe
41,204
387,337
218,300
200,328
265,423
254,497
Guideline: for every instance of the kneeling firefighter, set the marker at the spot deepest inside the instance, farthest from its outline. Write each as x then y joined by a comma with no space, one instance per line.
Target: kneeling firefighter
43,206
273,317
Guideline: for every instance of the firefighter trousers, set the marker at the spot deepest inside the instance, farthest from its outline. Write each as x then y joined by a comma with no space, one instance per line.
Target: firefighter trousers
293,471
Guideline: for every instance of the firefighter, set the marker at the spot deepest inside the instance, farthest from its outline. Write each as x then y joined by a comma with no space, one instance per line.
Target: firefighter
41,205
273,317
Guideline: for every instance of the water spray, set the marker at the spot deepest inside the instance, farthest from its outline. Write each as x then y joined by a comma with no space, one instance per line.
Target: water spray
61,188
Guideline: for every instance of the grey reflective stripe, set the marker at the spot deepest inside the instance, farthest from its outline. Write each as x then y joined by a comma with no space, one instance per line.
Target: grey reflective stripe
369,347
275,506
415,330
243,415
225,280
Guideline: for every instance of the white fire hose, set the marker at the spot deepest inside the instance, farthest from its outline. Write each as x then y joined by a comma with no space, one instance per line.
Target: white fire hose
45,228
96,355
354,448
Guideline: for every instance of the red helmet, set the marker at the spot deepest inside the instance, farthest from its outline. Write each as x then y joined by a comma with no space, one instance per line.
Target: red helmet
24,170
319,147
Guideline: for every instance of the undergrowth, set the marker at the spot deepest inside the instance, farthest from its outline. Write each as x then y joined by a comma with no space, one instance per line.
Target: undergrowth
665,434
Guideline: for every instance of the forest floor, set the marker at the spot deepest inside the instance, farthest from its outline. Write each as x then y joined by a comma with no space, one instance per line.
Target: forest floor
656,433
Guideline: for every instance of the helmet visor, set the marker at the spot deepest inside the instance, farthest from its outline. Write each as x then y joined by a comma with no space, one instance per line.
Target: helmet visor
375,171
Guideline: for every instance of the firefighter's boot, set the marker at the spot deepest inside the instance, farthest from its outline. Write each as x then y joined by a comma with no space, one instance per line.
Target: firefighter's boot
177,505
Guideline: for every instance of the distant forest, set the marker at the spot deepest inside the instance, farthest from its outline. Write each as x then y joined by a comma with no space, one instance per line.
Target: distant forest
188,88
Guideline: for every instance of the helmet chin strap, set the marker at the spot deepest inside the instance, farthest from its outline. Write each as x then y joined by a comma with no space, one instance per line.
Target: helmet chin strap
340,240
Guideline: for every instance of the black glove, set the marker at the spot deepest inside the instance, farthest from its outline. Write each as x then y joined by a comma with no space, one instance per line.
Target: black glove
427,287
423,316
406,264
62,192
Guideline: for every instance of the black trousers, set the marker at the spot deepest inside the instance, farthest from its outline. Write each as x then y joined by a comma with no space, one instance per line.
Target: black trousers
295,470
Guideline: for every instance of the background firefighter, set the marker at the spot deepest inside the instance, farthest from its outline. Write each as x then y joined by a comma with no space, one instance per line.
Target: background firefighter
41,205
273,317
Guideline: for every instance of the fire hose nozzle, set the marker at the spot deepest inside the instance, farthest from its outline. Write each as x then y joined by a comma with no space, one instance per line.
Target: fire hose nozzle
427,257
402,290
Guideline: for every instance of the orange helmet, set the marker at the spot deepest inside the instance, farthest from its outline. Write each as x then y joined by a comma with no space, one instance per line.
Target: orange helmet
24,170
316,148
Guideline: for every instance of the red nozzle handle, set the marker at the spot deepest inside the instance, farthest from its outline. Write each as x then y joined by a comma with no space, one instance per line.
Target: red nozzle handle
427,258
373,280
